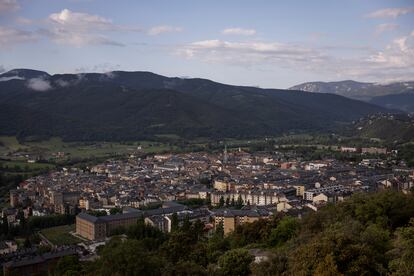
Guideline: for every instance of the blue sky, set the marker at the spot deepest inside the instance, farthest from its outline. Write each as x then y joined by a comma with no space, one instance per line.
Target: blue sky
260,43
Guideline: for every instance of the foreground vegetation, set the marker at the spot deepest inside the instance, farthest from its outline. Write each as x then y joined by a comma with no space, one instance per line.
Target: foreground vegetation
369,234
59,235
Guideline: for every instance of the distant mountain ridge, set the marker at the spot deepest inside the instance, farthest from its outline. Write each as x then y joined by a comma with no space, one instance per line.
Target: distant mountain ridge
364,91
402,101
123,105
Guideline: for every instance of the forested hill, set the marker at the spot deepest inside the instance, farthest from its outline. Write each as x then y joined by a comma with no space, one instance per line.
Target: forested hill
368,234
392,128
134,105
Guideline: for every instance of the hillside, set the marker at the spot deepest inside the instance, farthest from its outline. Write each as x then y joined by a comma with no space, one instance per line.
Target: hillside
390,128
403,101
134,105
358,90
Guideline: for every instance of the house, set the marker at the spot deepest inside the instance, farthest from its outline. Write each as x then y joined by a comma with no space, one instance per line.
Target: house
322,197
98,228
349,149
7,247
373,150
231,218
43,264
283,206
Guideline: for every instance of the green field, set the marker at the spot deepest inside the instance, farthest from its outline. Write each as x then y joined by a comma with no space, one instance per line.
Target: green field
25,165
11,148
59,235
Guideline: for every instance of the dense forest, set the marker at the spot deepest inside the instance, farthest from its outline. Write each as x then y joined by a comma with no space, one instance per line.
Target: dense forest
142,105
368,234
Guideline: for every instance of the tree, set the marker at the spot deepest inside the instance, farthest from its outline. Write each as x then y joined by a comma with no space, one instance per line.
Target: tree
197,229
174,222
327,267
185,268
97,213
219,230
286,229
5,225
239,203
126,258
186,224
179,246
21,218
403,251
217,244
276,265
233,203
115,210
141,230
221,202
68,265
235,262
27,243
227,202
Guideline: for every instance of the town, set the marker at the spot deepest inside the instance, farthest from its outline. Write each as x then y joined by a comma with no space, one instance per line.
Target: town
224,189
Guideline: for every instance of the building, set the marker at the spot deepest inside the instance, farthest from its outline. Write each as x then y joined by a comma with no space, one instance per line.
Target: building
7,247
373,150
64,202
36,264
98,228
310,194
300,190
14,198
315,166
232,218
260,198
221,186
349,149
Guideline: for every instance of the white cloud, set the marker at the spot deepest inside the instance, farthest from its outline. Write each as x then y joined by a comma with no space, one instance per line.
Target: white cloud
250,53
163,29
78,39
8,6
39,84
11,78
98,68
390,12
10,36
394,62
81,21
398,54
238,31
73,28
79,29
386,27
62,83
24,21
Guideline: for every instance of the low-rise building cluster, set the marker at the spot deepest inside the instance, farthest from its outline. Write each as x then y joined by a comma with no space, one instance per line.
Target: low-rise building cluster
233,188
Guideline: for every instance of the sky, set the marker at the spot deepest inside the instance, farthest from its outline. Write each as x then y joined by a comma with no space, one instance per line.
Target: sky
265,43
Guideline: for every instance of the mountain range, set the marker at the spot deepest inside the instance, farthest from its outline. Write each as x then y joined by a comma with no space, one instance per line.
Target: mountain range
123,105
396,95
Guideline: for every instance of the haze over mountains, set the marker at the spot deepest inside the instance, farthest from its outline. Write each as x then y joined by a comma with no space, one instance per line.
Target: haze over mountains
396,95
134,105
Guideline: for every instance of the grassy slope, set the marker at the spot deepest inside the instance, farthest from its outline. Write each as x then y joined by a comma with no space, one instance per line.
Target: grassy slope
77,149
60,235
